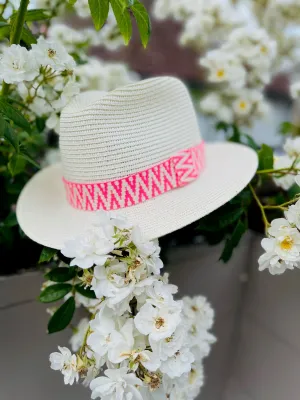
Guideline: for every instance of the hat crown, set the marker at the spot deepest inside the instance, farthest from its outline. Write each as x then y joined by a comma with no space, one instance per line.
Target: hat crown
106,136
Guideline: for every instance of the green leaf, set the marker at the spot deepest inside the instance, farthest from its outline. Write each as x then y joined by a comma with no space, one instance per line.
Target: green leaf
286,127
293,191
85,292
23,154
16,164
4,30
13,114
28,37
40,123
143,21
265,157
61,274
222,126
232,242
47,254
123,19
11,220
62,317
236,135
251,142
37,15
220,221
99,12
55,292
72,2
8,134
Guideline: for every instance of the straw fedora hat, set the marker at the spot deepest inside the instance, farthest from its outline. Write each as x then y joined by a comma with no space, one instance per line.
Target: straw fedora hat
137,150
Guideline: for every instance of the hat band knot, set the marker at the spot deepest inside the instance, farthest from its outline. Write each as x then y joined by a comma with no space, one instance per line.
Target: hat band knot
175,172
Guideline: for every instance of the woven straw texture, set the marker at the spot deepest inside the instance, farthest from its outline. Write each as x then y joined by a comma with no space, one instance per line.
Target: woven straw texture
128,130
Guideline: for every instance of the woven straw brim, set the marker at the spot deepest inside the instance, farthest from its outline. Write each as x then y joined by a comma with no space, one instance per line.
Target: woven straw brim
45,216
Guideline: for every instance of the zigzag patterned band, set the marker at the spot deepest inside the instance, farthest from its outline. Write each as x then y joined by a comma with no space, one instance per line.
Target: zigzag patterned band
177,171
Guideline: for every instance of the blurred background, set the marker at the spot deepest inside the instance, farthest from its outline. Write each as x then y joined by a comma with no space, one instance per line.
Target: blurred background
257,355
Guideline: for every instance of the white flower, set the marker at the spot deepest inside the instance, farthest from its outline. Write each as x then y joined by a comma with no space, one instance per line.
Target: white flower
102,327
161,295
200,341
91,374
295,90
51,53
199,311
66,362
74,40
53,122
124,347
285,181
254,46
117,385
282,249
158,323
224,67
110,35
178,364
17,64
111,282
103,76
270,260
88,249
293,214
40,106
167,347
292,147
78,336
148,250
82,8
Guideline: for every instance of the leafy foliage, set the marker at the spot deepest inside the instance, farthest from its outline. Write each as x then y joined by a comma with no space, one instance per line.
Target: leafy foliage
122,9
55,292
61,274
265,157
47,254
86,292
62,317
24,135
228,223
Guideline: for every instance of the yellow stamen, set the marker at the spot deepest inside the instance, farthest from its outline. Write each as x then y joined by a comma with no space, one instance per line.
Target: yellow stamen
243,105
159,322
287,243
264,49
220,73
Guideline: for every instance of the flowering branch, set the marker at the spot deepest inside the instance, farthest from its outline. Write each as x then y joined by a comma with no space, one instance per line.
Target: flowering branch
148,341
262,208
16,33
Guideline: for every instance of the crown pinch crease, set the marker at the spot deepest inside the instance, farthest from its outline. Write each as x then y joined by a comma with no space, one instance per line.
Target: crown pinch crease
175,172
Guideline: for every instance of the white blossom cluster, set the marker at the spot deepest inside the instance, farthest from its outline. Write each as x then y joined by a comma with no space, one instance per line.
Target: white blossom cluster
105,76
148,345
204,22
282,246
280,18
251,40
242,67
286,161
43,76
46,77
109,36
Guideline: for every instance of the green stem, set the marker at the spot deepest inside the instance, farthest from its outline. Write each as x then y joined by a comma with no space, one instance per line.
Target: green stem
275,208
16,33
264,217
276,171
